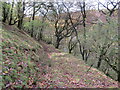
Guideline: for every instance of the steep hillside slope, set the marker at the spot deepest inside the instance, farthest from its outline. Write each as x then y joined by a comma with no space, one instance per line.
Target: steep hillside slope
69,72
28,63
24,59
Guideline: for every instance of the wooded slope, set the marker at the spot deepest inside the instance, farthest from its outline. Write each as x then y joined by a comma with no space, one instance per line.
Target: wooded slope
28,64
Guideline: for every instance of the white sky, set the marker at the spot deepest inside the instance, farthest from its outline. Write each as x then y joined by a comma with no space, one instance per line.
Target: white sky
90,2
52,0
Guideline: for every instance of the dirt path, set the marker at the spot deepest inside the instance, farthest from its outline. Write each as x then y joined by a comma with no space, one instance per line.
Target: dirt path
66,71
69,72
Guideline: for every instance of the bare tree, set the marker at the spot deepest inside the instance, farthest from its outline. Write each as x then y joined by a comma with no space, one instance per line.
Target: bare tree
38,9
84,51
43,11
110,5
72,44
62,23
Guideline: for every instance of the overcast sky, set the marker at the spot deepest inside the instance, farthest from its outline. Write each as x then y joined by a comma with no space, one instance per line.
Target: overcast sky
58,0
92,3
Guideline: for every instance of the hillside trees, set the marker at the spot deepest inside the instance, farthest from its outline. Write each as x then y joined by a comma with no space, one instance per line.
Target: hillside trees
20,9
79,30
5,11
84,51
109,5
62,23
104,46
44,12
98,42
8,12
13,13
74,22
104,49
72,44
80,37
35,27
109,52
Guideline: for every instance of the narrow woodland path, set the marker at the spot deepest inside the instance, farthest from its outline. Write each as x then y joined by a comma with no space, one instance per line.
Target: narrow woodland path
66,71
69,72
32,64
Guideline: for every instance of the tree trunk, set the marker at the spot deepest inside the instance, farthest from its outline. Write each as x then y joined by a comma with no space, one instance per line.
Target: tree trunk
21,15
83,57
4,13
11,14
119,44
70,51
33,18
57,43
99,62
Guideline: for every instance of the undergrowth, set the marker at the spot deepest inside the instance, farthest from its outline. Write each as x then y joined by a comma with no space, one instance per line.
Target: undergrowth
20,60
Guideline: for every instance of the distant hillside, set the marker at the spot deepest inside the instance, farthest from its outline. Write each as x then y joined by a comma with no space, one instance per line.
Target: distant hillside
92,16
31,64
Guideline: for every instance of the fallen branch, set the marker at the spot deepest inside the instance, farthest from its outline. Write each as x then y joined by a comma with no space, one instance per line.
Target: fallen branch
90,67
